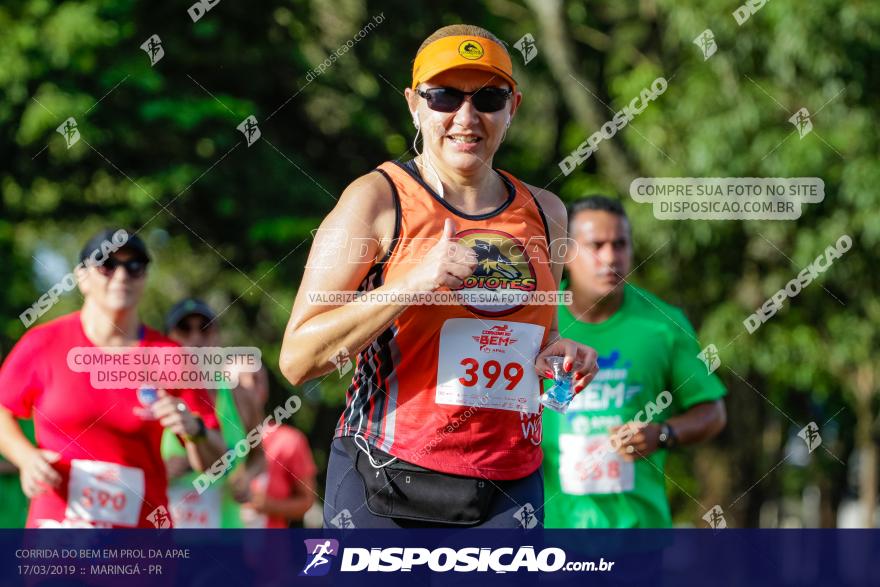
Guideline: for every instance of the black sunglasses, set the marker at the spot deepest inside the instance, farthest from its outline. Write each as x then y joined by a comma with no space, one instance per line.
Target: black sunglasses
134,267
186,327
450,99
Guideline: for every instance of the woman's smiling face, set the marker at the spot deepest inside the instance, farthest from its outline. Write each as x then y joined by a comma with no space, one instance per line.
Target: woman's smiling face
467,138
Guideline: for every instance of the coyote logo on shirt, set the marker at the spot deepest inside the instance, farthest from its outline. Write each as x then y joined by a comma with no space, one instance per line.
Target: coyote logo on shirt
504,278
490,261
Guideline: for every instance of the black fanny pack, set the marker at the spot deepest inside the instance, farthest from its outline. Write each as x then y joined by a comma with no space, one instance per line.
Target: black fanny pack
398,489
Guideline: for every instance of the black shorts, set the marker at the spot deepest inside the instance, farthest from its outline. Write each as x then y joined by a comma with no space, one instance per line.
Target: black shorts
517,504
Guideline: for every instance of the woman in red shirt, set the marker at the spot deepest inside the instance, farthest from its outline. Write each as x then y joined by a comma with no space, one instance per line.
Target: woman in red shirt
97,461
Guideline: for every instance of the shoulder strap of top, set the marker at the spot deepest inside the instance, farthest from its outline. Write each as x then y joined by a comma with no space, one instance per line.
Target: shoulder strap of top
521,187
383,171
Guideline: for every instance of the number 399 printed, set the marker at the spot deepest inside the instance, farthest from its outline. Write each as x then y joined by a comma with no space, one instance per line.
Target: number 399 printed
491,371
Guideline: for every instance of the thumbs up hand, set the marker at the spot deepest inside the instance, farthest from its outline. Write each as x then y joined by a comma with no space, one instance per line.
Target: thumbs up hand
448,230
446,264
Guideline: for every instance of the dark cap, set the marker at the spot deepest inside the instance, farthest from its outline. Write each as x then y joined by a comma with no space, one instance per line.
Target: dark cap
111,240
187,307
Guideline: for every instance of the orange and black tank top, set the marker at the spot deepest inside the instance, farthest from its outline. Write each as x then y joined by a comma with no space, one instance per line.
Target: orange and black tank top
452,387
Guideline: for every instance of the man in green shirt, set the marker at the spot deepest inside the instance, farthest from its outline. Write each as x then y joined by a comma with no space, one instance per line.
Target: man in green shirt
604,459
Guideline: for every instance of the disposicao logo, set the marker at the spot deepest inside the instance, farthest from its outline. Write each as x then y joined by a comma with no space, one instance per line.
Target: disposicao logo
319,552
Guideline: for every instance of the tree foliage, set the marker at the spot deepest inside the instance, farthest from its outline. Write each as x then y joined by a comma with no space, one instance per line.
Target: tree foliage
159,152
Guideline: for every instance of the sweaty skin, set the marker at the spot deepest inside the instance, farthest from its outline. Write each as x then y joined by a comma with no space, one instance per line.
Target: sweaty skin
365,214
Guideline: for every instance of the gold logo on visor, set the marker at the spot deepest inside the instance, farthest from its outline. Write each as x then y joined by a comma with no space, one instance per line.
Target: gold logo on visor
470,50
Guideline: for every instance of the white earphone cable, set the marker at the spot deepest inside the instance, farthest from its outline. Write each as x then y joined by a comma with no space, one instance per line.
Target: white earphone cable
424,155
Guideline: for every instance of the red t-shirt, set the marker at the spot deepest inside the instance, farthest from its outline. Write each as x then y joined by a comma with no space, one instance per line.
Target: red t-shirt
289,464
111,467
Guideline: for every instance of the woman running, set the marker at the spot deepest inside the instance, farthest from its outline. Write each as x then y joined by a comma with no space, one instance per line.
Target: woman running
97,462
442,419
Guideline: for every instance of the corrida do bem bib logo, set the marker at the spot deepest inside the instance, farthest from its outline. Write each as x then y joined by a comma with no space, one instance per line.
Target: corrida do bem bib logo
504,278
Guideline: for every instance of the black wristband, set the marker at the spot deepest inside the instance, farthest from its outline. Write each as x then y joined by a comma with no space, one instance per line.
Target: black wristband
667,437
202,432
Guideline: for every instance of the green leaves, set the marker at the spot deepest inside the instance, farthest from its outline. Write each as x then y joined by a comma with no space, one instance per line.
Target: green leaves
238,224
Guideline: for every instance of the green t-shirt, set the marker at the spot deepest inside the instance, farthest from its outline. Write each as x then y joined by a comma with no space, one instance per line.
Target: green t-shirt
13,503
647,347
232,429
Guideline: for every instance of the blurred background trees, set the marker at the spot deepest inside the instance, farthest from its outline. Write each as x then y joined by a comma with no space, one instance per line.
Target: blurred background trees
159,152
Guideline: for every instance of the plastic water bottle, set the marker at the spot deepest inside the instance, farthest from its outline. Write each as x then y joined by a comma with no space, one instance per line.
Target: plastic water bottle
560,394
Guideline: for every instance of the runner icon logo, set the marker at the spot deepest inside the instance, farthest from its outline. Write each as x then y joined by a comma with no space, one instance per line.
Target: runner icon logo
710,358
526,45
706,42
319,552
342,520
810,435
801,121
526,516
70,131
715,518
342,361
160,518
250,130
153,48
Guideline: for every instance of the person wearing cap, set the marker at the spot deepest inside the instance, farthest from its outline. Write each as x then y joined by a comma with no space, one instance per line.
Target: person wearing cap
605,458
192,323
97,461
273,486
442,418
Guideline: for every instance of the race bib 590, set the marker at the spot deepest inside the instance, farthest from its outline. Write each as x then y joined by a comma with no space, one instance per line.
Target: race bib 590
104,493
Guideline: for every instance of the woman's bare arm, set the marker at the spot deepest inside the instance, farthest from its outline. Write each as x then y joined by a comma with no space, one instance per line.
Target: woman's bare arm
353,236
34,464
